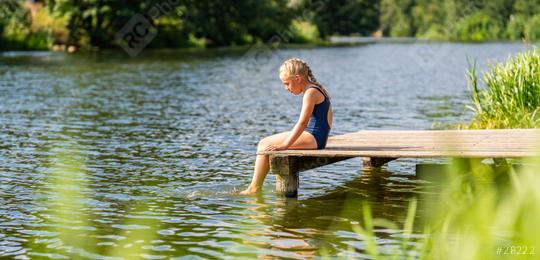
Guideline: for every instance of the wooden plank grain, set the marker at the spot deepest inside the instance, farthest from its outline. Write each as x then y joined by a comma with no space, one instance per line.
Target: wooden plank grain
501,143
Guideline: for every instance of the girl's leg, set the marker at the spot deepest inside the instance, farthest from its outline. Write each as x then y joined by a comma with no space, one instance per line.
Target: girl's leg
262,162
262,166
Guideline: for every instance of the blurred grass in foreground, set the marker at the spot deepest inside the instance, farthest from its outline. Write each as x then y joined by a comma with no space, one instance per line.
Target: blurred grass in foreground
476,211
482,208
473,210
69,218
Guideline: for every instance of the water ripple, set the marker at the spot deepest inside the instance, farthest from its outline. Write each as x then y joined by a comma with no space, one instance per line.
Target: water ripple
164,141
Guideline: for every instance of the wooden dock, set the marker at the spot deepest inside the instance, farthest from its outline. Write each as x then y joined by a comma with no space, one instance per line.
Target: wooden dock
379,147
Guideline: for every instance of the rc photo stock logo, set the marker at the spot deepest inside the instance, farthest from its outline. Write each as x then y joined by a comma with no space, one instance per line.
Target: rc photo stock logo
136,35
138,32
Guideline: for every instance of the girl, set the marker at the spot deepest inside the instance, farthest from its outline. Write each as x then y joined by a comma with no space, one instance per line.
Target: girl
312,129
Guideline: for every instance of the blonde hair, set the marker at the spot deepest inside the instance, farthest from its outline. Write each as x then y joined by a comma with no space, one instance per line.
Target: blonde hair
296,66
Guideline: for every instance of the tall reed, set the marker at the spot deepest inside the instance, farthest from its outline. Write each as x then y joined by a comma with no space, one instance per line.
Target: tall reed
511,98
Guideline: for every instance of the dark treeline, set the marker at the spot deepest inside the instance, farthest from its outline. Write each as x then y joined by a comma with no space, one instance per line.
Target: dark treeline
40,24
462,20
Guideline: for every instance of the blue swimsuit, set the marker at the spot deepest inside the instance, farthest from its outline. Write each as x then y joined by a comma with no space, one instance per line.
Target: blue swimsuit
318,122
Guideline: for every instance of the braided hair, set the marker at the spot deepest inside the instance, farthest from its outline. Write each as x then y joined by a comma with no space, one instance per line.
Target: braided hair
296,66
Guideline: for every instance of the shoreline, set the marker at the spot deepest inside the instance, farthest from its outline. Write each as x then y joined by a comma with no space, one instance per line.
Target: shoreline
332,42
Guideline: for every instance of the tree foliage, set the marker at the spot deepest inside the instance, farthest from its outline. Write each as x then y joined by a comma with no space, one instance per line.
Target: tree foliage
16,30
345,17
460,20
182,23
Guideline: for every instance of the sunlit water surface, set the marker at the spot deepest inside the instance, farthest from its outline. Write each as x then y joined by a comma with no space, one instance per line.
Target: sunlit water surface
161,143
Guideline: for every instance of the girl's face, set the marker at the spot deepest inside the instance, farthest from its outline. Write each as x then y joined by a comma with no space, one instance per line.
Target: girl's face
292,84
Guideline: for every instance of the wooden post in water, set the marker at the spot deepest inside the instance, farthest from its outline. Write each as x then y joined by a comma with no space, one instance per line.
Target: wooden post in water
375,162
287,169
286,172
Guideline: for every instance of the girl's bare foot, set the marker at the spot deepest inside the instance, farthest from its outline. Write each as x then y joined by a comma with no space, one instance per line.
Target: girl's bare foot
250,191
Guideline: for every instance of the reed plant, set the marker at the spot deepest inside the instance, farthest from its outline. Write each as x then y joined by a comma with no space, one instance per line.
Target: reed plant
511,97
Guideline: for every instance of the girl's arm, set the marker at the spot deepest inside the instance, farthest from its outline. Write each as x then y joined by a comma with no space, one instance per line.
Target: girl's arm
308,103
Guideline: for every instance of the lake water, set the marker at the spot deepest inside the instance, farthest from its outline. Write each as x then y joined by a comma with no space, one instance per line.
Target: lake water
162,142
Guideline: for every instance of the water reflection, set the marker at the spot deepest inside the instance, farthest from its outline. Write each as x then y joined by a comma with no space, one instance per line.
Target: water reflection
178,131
301,227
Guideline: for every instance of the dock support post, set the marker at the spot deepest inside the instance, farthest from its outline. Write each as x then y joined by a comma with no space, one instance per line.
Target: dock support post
375,162
500,161
287,169
287,181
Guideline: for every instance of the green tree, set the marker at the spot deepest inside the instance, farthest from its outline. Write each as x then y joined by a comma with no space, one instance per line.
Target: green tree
231,22
426,16
347,17
515,28
95,22
395,17
526,7
16,32
478,26
228,22
532,29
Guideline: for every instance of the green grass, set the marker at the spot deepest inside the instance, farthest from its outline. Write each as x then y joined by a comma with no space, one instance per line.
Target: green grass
70,220
478,212
481,208
511,98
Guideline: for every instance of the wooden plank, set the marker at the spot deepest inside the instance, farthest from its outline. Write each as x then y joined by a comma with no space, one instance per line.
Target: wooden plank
501,143
379,147
407,154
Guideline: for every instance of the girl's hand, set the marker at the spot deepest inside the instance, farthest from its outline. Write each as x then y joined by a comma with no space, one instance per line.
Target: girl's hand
276,147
